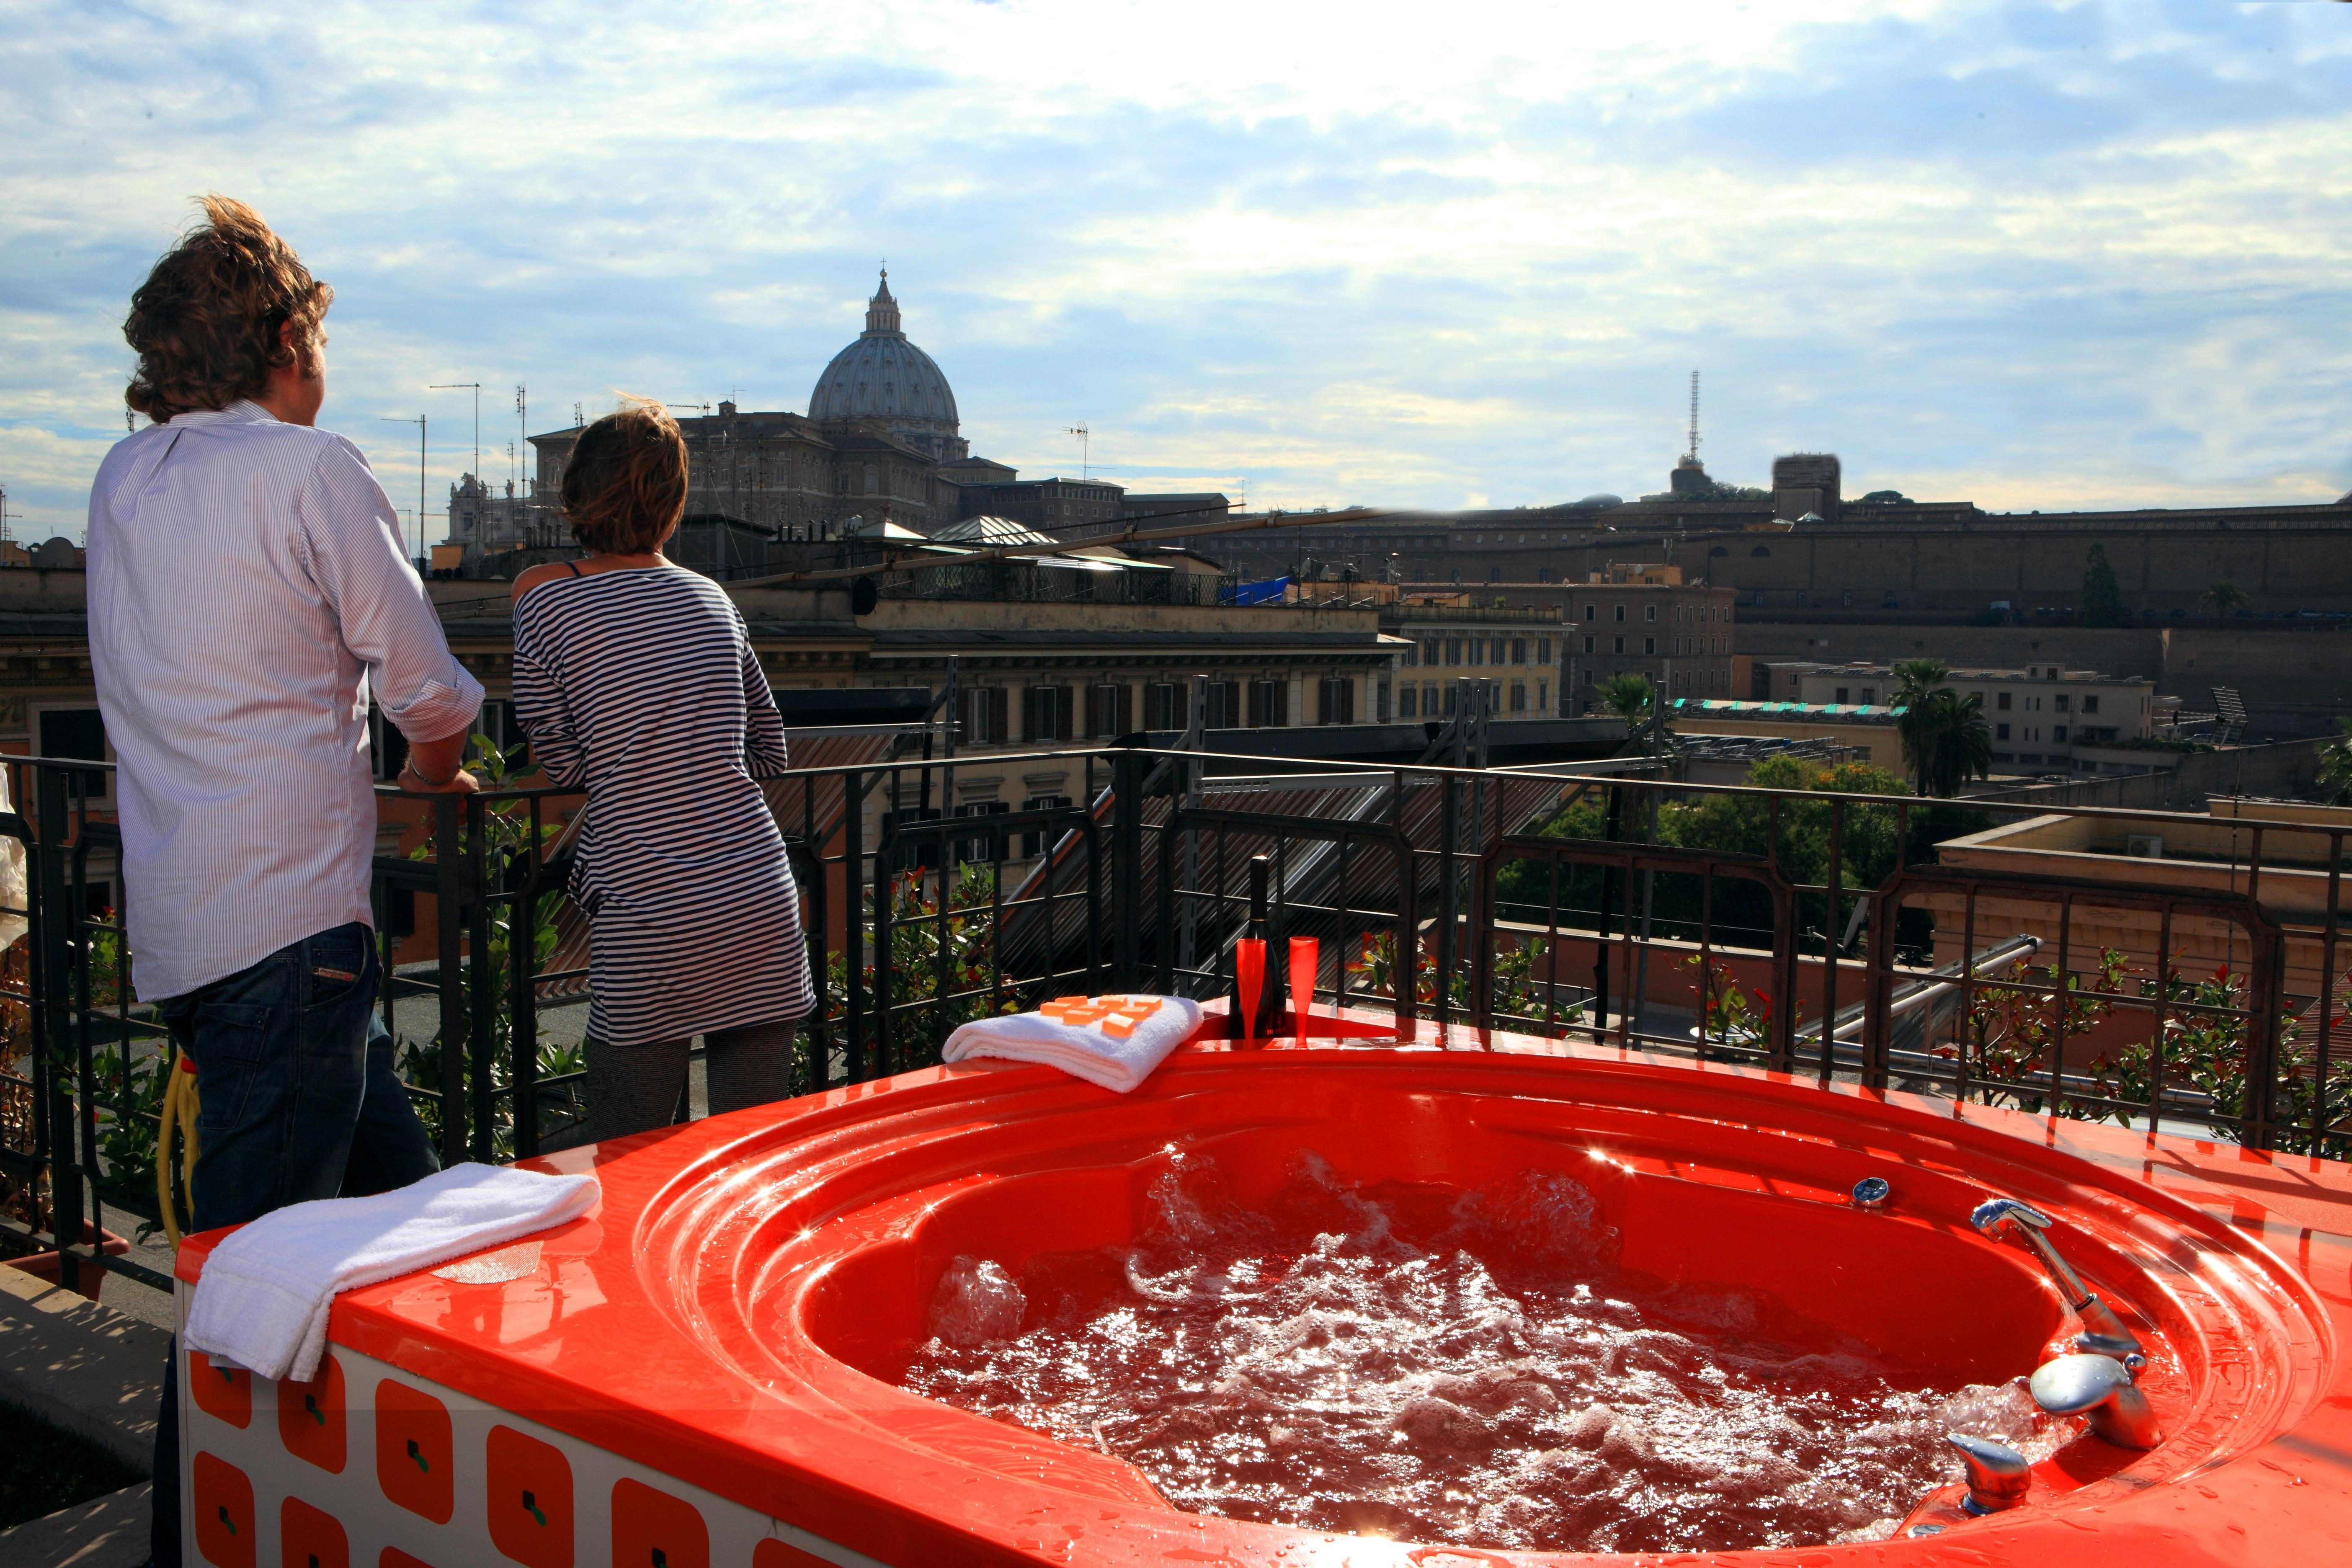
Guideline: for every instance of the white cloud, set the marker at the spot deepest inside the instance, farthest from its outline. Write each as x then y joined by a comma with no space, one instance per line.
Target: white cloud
2035,257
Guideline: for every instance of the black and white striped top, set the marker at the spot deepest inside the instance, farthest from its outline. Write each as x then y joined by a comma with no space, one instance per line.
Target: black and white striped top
641,687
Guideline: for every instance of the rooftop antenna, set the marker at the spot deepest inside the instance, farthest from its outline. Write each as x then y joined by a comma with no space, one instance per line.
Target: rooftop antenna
476,387
522,427
419,423
1694,429
1086,448
7,537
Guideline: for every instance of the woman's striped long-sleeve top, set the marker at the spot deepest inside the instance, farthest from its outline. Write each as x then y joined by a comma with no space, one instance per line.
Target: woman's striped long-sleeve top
642,687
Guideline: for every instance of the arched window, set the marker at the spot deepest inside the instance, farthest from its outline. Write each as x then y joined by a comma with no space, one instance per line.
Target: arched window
1718,550
1760,552
873,479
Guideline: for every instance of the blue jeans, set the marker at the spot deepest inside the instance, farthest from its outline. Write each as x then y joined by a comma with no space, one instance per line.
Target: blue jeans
299,1100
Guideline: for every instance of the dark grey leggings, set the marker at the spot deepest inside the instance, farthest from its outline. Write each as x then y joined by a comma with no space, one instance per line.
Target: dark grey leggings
631,1087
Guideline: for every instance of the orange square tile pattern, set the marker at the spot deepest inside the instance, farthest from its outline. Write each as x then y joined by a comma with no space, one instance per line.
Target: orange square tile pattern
654,1530
785,1554
224,1508
529,1501
220,1393
310,1538
414,1450
310,1417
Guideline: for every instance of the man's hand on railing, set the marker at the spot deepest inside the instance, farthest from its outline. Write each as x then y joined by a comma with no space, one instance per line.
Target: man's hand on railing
438,767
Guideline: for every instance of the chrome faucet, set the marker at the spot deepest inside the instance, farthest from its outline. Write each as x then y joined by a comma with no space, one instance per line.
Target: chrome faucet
1998,1473
2103,1333
2101,1386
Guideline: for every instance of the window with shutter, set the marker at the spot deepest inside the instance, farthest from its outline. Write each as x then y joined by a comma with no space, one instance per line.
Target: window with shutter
1225,704
1109,709
1269,704
1033,843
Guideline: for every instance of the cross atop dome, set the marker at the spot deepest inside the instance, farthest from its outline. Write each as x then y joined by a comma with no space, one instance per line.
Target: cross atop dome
882,311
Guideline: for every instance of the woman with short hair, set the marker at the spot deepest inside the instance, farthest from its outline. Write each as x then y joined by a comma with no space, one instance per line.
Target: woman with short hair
634,679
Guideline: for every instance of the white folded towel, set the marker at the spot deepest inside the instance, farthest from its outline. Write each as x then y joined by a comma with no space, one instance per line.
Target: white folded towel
263,1299
1083,1052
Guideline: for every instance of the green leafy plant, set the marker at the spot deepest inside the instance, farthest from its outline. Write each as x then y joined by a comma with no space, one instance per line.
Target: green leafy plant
924,1013
2336,765
2007,1035
507,847
2207,1052
2102,600
1727,1020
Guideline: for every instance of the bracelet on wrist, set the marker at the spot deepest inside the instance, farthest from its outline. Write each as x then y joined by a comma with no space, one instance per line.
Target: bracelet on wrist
417,773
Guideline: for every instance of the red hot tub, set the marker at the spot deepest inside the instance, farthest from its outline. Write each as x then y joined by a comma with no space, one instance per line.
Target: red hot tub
706,1369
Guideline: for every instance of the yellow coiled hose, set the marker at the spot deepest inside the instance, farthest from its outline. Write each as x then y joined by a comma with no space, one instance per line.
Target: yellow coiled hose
179,1107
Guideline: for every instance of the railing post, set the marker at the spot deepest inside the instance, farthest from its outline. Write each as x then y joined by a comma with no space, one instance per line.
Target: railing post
1879,991
523,995
1449,847
448,916
2265,1002
1127,879
886,851
53,1096
853,928
482,981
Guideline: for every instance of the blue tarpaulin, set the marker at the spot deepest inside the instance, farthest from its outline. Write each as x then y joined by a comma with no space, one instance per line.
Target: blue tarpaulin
1266,593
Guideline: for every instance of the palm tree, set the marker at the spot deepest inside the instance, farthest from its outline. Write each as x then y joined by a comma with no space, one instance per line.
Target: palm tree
1945,740
2222,597
1961,747
1916,679
1628,696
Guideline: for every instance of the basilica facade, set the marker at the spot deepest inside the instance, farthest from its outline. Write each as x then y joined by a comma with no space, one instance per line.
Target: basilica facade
880,439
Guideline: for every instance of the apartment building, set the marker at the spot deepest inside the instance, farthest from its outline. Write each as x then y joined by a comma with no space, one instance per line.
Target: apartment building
2044,717
1635,619
1441,643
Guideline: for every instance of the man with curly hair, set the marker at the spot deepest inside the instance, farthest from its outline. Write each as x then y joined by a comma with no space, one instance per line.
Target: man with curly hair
249,594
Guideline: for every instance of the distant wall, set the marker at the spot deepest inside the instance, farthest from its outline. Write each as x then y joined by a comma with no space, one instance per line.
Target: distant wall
2287,768
2030,564
2294,682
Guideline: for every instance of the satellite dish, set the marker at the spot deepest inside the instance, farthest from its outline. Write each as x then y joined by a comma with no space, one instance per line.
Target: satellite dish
864,595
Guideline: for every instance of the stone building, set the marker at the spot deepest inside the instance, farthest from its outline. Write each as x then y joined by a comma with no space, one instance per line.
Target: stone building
1446,642
881,439
1637,619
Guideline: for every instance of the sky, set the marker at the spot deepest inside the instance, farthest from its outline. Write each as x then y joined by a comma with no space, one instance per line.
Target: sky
2032,257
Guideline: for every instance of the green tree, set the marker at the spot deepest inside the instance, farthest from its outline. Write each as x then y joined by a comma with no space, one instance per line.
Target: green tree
2103,601
2336,765
2222,597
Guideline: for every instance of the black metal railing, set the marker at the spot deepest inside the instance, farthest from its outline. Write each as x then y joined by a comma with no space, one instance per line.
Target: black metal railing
1859,937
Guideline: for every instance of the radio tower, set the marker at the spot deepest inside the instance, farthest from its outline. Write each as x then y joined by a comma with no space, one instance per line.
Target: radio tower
1693,453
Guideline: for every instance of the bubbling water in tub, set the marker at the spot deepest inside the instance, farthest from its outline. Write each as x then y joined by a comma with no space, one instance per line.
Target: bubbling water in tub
1463,1367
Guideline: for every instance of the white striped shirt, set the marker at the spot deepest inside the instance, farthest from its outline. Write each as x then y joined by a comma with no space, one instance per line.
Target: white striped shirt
641,687
247,586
